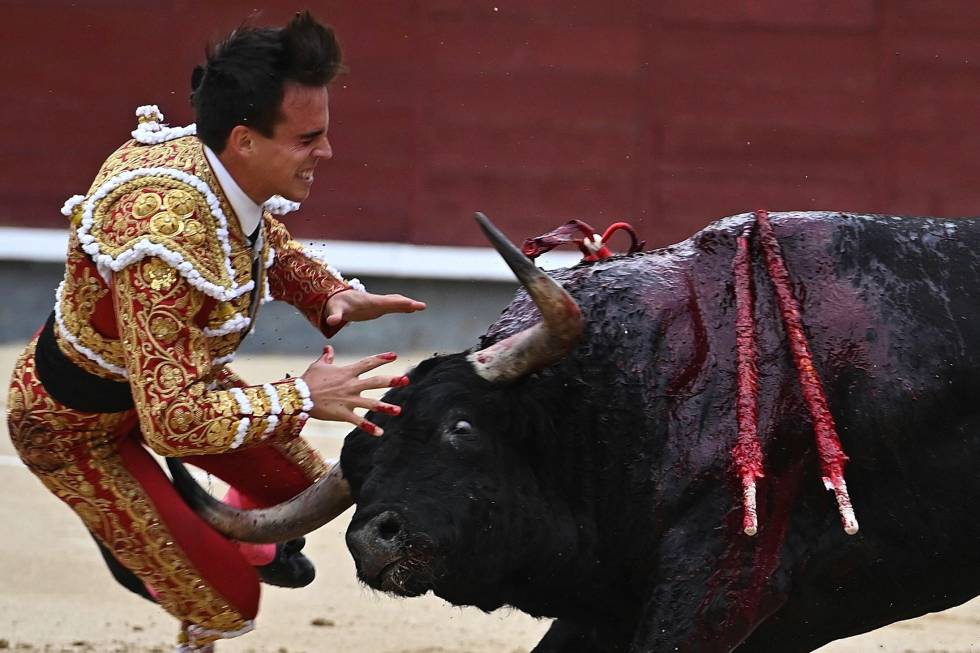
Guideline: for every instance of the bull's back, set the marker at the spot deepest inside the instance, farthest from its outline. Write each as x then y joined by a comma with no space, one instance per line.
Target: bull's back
891,308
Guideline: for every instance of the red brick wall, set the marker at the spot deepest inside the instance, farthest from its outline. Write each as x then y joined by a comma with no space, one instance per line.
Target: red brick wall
669,114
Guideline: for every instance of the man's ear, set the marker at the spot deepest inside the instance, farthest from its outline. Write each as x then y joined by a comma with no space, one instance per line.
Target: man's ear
241,140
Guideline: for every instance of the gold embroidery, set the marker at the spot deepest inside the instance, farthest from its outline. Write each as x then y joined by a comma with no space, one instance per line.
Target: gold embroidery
177,418
194,232
170,359
75,453
181,418
220,432
118,225
242,262
183,154
303,455
297,278
227,404
259,401
224,311
256,430
83,289
224,345
86,471
166,224
165,328
146,204
117,231
161,276
86,489
289,398
180,203
170,376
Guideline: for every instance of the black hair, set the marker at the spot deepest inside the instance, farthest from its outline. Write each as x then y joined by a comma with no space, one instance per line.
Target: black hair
244,78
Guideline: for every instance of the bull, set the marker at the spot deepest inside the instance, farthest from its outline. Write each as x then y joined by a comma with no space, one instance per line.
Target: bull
579,465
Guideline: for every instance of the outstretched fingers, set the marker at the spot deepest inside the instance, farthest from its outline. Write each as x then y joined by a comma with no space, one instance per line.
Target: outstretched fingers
402,304
372,362
349,416
379,382
336,390
377,406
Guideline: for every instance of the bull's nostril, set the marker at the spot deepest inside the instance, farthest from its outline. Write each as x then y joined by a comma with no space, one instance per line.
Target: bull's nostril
389,528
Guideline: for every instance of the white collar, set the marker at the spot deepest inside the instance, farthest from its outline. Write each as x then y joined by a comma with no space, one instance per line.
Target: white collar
249,213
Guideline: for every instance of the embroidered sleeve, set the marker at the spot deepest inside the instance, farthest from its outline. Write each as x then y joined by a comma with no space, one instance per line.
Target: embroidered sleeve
303,280
181,412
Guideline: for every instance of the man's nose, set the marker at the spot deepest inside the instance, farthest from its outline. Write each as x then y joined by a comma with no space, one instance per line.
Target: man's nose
323,150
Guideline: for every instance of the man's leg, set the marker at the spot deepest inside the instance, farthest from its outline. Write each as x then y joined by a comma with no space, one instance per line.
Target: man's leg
95,463
196,574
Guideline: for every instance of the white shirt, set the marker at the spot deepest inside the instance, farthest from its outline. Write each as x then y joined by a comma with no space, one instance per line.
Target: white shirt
249,213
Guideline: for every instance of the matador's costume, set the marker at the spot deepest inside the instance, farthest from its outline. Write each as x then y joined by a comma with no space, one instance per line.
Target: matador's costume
162,284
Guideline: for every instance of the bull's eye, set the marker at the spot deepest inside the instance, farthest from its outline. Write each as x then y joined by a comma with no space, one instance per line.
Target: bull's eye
462,427
460,434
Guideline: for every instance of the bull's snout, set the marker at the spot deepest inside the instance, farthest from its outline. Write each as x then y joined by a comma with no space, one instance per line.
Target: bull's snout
376,543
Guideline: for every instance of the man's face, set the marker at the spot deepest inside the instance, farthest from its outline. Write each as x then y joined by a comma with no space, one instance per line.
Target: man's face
284,164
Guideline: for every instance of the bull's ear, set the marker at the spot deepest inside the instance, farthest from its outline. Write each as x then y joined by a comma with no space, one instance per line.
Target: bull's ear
544,409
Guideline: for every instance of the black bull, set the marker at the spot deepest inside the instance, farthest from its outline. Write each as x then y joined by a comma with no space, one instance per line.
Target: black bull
601,490
591,478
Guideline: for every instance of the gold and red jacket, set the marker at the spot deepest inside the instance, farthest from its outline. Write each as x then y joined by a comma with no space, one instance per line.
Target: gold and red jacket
158,293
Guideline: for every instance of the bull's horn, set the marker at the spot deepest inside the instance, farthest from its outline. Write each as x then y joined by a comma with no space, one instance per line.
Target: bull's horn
546,342
306,512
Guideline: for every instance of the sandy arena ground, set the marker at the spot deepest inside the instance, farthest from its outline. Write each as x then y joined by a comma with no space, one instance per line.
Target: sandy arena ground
56,595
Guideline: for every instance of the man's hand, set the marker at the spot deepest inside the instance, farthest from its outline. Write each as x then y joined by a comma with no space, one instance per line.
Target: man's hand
355,306
336,390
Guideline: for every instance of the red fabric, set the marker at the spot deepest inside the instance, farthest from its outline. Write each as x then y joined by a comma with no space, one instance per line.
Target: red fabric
260,477
217,559
256,554
263,475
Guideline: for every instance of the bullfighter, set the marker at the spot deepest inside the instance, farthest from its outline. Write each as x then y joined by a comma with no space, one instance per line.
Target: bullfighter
171,253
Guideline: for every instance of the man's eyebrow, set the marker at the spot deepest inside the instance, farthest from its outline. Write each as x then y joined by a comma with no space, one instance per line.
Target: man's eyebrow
312,134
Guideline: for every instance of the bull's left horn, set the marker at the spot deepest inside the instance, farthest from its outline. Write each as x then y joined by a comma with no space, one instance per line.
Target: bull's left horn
306,512
541,345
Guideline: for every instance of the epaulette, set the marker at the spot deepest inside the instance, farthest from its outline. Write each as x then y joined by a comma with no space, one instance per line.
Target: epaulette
155,196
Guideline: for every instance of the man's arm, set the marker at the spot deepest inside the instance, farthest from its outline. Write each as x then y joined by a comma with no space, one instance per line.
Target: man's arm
326,299
170,368
182,413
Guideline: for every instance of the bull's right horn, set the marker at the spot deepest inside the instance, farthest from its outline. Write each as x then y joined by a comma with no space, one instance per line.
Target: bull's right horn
543,344
304,513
